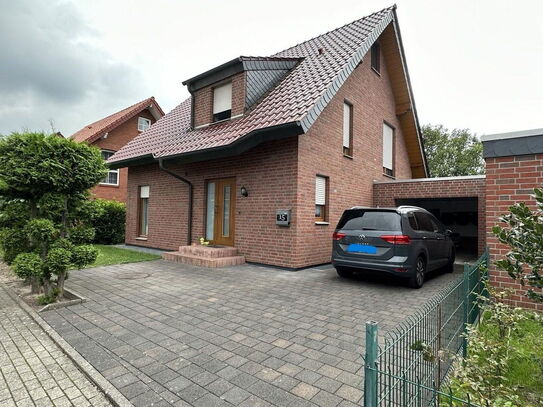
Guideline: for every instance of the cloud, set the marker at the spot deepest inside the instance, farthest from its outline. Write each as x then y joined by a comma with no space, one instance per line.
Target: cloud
51,67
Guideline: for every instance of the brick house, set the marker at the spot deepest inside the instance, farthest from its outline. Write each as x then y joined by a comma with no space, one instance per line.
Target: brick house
112,133
268,151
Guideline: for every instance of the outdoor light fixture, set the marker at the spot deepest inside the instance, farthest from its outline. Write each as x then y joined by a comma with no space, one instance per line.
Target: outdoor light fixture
244,192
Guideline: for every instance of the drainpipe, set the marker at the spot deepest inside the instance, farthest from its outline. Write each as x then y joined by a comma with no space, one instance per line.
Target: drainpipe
186,181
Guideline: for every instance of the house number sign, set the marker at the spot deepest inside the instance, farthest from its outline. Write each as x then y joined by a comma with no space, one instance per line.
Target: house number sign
282,217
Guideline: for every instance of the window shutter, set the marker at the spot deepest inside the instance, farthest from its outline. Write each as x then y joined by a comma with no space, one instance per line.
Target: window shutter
144,192
320,191
388,148
346,125
222,98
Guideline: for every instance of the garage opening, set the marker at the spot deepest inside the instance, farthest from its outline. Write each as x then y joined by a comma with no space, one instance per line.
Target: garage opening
457,214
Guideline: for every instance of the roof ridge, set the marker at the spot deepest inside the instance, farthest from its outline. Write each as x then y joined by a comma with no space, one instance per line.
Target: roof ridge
117,118
117,112
390,8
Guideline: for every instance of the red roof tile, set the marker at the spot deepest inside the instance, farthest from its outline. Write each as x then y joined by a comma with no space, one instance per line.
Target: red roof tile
298,98
94,131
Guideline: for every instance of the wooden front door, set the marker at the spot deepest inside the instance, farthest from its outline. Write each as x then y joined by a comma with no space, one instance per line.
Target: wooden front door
220,210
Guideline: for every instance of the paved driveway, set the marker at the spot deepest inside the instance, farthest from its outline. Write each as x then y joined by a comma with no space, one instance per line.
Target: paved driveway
168,334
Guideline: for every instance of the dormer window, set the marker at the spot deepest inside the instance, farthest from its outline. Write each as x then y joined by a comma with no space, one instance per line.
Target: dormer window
143,123
222,102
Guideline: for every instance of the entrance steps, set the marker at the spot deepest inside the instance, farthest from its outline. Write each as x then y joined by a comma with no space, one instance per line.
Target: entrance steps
206,256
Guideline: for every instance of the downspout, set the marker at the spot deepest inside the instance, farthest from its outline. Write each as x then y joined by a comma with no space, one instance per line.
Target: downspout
186,181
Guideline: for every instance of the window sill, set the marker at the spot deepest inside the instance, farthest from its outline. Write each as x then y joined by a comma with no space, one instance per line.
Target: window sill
322,223
141,238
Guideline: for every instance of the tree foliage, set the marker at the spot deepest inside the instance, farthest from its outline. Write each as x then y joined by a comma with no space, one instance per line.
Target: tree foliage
523,233
43,181
452,152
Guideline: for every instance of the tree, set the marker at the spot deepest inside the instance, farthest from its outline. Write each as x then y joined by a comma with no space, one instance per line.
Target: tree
44,180
524,234
452,153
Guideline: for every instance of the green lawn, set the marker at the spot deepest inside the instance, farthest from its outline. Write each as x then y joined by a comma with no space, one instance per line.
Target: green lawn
525,371
523,374
108,255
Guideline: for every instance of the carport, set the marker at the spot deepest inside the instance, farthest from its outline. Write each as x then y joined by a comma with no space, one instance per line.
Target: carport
459,202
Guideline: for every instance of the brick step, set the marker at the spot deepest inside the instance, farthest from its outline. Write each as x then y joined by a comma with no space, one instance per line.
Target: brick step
200,261
209,252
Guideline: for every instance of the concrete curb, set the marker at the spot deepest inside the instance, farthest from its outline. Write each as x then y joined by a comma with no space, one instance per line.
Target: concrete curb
76,299
111,393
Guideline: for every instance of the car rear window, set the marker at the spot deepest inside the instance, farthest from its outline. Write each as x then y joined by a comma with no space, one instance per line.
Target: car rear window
363,219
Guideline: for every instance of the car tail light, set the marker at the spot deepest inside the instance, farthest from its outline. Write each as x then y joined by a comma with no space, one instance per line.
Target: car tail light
396,239
338,236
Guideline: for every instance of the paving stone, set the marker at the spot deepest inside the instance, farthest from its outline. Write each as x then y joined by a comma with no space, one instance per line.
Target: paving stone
33,366
267,337
304,390
349,393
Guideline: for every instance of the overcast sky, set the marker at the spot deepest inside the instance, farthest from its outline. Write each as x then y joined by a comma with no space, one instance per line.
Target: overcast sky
473,64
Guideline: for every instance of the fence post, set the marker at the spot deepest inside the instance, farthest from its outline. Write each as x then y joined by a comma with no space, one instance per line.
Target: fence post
370,368
465,294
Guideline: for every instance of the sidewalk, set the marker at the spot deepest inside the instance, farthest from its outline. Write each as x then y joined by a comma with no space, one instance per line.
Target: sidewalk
33,370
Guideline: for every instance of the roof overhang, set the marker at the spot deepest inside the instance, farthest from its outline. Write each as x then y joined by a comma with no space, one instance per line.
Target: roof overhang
238,147
214,75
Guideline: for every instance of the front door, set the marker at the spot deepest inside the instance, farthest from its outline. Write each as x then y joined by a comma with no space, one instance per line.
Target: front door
221,199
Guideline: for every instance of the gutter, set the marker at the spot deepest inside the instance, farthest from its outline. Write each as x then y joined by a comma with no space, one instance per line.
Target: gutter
189,184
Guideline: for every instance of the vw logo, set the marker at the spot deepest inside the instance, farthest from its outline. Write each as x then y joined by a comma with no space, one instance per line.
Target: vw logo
362,237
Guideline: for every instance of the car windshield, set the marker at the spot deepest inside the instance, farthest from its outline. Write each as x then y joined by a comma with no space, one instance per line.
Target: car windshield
363,219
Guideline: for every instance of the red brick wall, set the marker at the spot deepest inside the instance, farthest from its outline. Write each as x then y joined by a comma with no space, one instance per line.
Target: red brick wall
281,175
116,139
350,180
267,171
509,180
385,195
203,100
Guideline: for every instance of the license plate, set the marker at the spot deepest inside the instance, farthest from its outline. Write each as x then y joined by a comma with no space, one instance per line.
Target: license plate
361,248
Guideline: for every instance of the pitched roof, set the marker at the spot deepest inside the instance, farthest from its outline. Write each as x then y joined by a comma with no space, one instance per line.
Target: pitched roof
325,64
94,131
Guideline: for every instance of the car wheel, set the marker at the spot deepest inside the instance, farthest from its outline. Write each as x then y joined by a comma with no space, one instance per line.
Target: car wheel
449,268
417,280
343,272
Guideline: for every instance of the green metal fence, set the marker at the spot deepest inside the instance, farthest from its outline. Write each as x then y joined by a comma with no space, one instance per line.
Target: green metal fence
409,365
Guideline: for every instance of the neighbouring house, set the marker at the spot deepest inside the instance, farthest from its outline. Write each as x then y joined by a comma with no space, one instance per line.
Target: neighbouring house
112,133
268,151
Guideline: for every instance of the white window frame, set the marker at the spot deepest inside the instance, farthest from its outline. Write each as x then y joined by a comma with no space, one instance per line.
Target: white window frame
110,171
388,149
321,197
144,192
143,120
347,129
222,99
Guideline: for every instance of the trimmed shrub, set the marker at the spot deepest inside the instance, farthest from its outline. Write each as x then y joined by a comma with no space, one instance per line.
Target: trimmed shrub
82,234
27,265
59,260
107,219
84,255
